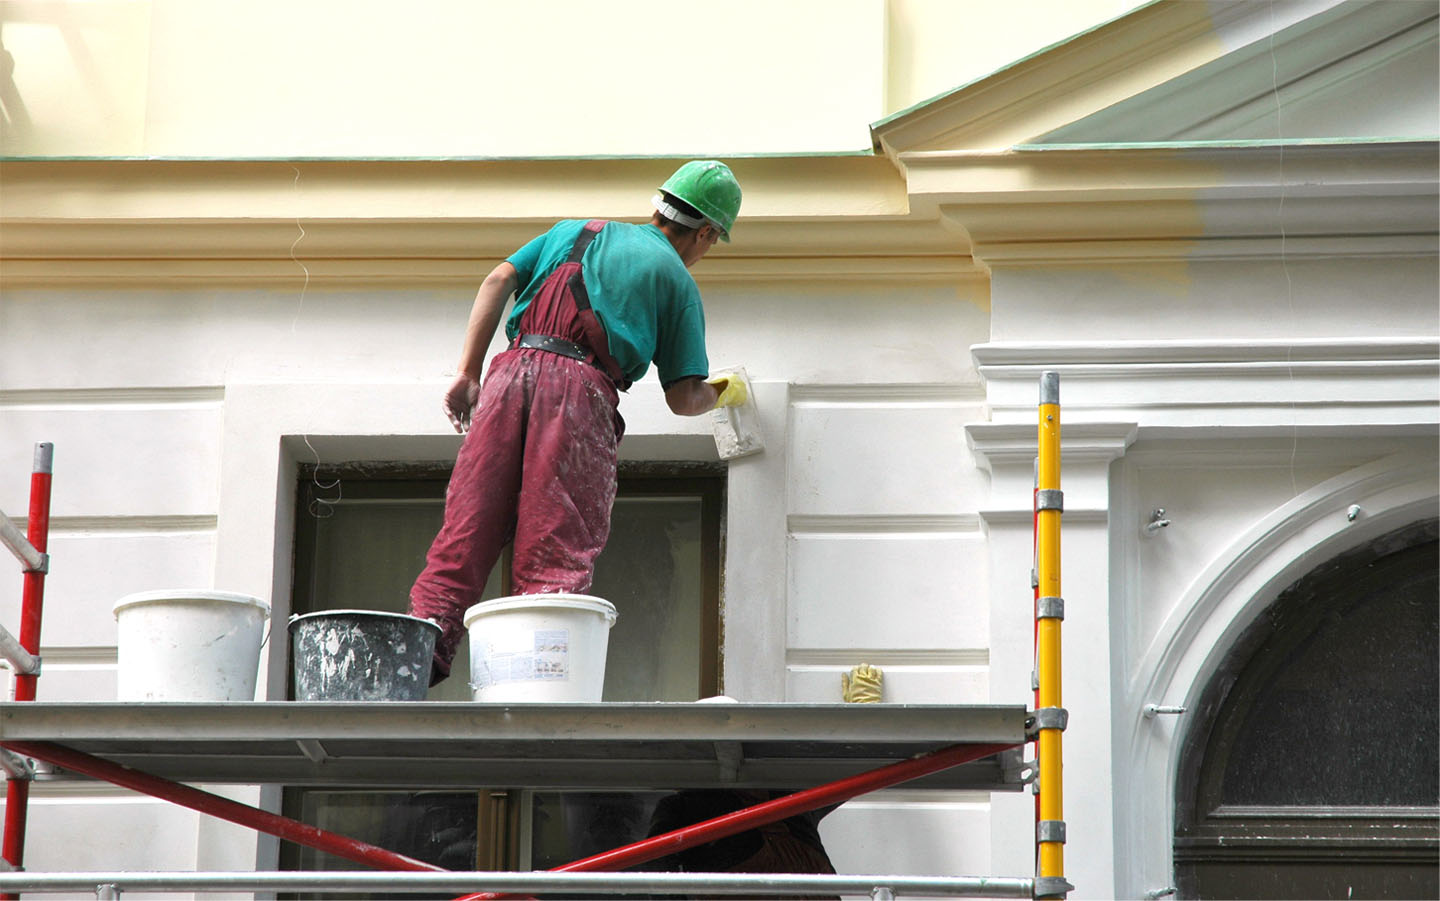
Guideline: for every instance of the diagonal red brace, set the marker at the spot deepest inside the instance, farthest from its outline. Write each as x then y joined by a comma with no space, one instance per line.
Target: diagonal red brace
214,805
772,811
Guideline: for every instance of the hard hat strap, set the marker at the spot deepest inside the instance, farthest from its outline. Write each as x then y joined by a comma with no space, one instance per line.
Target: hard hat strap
673,214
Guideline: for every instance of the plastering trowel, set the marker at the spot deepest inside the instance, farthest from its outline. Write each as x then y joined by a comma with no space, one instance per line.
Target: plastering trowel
737,428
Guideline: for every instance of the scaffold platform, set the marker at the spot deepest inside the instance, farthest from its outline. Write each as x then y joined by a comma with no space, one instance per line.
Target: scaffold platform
602,745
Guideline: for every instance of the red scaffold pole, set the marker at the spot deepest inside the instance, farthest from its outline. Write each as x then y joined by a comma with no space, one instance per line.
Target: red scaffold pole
772,811
216,806
17,789
38,534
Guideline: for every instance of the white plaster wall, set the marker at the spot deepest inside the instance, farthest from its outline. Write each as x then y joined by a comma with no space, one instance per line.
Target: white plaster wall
1302,297
1246,532
1253,400
178,416
76,830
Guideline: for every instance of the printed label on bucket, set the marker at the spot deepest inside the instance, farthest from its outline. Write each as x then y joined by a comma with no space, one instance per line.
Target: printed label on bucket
547,659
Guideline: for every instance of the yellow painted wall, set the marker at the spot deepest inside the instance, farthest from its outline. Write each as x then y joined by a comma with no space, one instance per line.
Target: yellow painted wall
439,78
938,45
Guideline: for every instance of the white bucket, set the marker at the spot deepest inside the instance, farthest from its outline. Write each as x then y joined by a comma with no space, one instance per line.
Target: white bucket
539,647
187,645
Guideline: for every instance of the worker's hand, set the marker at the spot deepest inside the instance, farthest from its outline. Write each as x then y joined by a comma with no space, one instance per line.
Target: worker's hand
460,401
730,388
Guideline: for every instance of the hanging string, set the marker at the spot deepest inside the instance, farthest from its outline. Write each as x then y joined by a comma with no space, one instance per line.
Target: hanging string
322,507
296,243
1284,261
319,507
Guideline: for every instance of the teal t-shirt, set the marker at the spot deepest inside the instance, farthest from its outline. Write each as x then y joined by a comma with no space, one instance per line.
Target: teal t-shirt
639,289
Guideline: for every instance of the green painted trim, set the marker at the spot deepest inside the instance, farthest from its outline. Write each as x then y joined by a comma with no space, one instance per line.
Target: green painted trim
824,154
1221,145
881,123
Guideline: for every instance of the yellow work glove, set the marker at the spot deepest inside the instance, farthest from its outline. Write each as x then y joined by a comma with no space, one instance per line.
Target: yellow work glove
731,388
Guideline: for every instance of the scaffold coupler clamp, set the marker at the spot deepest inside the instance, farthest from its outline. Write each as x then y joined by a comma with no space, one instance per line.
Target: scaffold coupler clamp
1050,607
16,767
1046,718
1052,887
1050,499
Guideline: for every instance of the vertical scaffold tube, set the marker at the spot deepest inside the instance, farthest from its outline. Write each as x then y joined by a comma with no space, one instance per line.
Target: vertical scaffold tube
1050,830
38,534
17,790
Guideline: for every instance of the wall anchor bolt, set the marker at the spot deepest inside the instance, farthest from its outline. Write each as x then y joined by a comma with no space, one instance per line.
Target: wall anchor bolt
1154,710
1160,892
1353,513
1157,521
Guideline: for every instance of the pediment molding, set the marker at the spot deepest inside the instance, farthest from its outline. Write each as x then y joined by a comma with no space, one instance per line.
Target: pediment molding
1170,70
1354,43
1089,72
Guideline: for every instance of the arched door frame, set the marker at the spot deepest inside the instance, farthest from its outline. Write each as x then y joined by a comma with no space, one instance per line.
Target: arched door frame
1223,601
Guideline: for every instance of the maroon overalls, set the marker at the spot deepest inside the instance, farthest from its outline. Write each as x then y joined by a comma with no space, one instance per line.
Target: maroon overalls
537,466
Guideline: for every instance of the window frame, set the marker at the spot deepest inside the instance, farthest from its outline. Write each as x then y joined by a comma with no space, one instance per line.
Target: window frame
1216,842
503,812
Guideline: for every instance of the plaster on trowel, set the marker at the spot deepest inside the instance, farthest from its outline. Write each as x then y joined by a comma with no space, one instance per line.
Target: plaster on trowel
737,428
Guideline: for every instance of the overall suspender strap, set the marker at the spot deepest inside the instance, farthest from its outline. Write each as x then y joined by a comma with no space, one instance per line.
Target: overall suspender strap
594,331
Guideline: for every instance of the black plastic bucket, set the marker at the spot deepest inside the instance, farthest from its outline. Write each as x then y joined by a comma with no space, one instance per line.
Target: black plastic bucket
361,655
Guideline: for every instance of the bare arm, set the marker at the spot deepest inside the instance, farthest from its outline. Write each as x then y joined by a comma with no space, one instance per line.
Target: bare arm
691,397
485,316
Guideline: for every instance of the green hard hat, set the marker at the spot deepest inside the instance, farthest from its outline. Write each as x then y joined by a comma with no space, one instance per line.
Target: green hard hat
710,187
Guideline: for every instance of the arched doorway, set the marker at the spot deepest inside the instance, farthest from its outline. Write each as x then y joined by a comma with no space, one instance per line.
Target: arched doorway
1311,768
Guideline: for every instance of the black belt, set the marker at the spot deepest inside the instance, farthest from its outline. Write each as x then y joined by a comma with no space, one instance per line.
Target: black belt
563,348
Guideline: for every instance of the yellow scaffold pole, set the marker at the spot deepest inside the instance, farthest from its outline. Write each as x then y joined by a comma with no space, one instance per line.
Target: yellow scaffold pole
1050,716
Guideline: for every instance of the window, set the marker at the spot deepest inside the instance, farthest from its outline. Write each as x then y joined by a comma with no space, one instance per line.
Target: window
361,537
1312,769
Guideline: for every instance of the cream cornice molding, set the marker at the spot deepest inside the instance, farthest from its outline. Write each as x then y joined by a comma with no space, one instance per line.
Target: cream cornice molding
439,189
1069,204
1196,170
454,252
141,222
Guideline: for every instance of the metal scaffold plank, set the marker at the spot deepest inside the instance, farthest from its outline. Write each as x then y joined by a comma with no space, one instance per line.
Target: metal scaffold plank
439,744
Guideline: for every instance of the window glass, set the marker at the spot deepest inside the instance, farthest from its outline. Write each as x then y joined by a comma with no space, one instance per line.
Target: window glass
361,539
573,825
361,542
651,571
1311,768
437,827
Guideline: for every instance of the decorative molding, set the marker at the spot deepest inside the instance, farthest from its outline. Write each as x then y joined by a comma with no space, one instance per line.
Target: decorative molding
88,656
1211,249
124,526
1024,517
134,252
1014,444
848,657
437,222
50,398
810,525
1220,200
995,356
1250,82
1262,387
889,394
1058,85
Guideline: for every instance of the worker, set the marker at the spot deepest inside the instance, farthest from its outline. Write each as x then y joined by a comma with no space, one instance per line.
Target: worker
792,845
596,303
